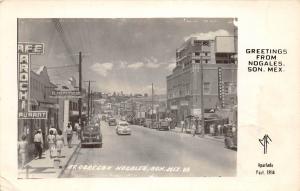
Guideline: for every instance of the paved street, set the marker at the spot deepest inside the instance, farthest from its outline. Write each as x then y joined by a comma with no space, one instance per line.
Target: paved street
148,152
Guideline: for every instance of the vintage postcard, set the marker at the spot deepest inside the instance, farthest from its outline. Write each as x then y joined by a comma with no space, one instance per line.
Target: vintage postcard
193,95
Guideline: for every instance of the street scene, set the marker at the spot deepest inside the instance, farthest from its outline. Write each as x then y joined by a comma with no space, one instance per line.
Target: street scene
144,97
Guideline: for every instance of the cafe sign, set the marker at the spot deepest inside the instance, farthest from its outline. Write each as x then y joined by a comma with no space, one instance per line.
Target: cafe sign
25,50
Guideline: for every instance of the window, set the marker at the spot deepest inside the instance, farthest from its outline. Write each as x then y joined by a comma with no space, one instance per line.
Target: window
206,61
206,87
229,88
197,53
197,61
205,43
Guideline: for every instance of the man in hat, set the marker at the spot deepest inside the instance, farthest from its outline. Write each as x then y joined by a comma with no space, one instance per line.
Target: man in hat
38,142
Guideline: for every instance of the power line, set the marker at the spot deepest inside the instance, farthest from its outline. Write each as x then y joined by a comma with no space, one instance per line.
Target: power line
61,33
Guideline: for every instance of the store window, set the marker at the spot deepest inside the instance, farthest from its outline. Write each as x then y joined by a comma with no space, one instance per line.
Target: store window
229,88
206,87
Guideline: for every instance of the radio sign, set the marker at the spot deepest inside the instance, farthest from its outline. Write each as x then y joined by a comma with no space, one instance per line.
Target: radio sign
24,51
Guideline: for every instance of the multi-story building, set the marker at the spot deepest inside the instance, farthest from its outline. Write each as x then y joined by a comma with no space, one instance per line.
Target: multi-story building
214,61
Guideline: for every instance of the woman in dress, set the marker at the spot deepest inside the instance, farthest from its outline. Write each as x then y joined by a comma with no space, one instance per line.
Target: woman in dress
22,148
51,141
59,142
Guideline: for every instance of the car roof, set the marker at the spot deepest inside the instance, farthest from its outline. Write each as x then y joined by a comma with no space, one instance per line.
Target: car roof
123,122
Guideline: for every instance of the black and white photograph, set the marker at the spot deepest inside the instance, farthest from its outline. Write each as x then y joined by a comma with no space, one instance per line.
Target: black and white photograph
149,95
127,97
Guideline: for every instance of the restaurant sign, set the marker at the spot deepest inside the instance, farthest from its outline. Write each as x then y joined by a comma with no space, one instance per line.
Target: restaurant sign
25,50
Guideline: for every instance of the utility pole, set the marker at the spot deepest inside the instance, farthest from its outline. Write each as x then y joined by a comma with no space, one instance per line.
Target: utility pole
152,106
201,93
89,97
80,87
89,89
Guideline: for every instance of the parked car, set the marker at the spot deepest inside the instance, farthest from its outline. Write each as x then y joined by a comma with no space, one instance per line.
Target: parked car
163,125
91,135
230,138
112,122
108,118
123,128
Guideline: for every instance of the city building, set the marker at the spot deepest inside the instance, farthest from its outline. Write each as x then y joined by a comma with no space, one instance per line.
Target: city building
145,107
214,61
68,103
39,100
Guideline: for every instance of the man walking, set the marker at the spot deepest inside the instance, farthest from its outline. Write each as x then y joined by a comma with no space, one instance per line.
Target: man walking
69,132
38,142
78,129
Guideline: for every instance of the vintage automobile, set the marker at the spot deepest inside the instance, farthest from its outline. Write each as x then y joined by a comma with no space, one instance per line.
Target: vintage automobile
91,135
112,122
163,125
103,118
123,128
230,137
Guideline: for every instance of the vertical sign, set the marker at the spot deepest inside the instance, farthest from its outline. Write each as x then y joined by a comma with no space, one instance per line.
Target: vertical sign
25,50
220,86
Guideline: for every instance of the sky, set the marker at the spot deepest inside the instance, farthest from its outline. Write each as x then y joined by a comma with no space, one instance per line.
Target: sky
121,54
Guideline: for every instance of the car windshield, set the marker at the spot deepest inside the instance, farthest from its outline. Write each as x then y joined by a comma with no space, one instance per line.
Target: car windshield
123,124
91,128
112,120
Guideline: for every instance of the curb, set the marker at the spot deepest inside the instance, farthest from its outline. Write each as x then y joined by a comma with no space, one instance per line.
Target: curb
67,163
212,139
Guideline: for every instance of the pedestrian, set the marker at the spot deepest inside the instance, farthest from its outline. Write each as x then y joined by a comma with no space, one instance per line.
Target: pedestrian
194,129
22,149
38,143
219,129
233,128
182,125
69,132
53,130
78,129
51,142
211,129
59,142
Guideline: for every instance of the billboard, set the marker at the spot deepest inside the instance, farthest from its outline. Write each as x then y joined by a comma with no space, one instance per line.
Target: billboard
66,94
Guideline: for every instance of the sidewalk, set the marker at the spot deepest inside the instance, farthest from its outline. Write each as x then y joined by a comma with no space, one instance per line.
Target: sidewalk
45,168
213,138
